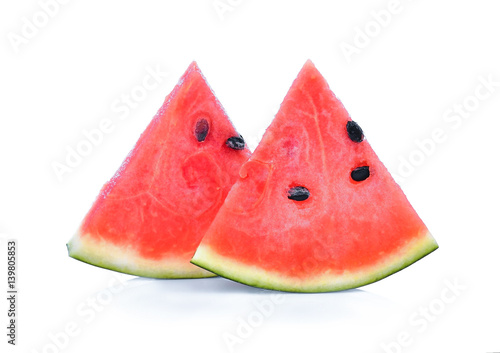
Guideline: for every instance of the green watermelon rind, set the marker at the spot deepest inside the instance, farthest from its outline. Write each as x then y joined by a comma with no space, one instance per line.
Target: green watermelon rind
108,256
255,276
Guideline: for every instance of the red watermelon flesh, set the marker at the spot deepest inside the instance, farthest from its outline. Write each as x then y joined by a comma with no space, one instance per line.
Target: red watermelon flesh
304,216
150,217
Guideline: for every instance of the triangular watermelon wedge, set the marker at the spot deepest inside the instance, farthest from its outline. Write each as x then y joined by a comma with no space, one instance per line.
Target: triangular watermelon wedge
314,210
150,217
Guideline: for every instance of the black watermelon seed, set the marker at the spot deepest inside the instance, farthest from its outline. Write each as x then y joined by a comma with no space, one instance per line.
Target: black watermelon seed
201,130
298,193
354,131
236,143
361,173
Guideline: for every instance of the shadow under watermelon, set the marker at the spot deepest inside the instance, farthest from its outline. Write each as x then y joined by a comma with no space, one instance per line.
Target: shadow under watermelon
217,300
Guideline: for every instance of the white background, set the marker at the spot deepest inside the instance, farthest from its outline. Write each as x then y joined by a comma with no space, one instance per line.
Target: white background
428,57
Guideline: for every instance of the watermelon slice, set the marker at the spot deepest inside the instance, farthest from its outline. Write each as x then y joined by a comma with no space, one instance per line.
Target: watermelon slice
314,210
150,217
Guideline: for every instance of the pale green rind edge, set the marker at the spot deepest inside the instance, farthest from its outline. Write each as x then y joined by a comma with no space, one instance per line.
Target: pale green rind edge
257,277
102,254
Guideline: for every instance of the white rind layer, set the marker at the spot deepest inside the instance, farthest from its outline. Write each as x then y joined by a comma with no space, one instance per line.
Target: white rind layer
255,276
126,260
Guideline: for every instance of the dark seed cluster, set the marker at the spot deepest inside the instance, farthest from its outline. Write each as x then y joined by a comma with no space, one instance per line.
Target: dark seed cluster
201,130
355,133
236,143
298,193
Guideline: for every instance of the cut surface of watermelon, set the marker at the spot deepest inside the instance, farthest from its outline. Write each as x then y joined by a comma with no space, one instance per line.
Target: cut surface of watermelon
314,209
150,217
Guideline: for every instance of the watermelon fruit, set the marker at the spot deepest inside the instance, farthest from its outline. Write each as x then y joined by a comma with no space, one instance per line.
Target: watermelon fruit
314,209
150,217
